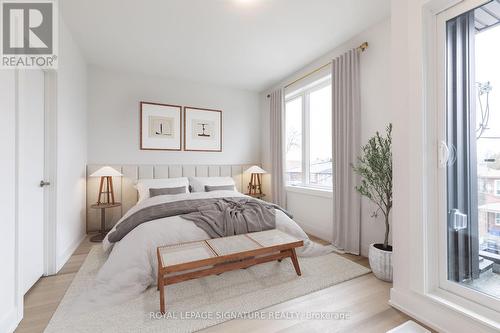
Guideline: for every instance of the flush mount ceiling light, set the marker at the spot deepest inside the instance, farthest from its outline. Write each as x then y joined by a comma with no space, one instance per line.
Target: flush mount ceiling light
245,2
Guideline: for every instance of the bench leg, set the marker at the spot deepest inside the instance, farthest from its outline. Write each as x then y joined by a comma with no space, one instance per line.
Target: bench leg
279,260
162,296
295,262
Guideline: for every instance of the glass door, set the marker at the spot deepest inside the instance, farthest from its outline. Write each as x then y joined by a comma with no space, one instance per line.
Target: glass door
473,149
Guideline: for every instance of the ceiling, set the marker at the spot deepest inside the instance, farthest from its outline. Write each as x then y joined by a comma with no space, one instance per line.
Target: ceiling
247,44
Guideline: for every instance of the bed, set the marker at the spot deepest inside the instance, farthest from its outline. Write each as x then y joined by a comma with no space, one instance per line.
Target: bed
131,264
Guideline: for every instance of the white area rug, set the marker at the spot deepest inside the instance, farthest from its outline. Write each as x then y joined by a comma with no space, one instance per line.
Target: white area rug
216,298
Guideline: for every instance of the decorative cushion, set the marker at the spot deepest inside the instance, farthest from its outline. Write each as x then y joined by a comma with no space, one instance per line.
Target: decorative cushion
210,188
143,185
153,192
198,183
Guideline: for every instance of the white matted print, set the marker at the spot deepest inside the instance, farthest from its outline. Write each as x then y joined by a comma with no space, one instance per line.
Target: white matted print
160,126
202,129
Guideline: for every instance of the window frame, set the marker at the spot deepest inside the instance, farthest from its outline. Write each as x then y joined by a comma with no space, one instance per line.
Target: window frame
436,284
305,92
496,188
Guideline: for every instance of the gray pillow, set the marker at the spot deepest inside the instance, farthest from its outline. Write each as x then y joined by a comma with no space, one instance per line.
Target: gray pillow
153,192
210,188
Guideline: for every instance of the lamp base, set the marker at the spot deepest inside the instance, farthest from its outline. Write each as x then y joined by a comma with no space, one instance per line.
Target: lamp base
257,196
97,238
254,187
109,194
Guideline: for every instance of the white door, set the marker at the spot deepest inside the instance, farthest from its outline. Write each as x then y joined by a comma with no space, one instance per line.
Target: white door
31,124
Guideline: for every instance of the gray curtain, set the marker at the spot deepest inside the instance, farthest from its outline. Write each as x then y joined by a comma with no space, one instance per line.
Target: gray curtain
346,147
276,135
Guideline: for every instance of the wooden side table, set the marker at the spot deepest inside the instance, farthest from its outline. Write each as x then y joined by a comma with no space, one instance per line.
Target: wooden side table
102,233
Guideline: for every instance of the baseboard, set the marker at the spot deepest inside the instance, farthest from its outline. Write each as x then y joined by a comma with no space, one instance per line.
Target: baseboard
9,322
434,315
396,302
63,258
316,232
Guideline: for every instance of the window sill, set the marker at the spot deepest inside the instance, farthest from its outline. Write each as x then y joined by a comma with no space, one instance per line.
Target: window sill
318,192
472,310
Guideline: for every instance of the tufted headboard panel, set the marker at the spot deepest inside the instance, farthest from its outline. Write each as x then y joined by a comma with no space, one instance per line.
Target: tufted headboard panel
126,193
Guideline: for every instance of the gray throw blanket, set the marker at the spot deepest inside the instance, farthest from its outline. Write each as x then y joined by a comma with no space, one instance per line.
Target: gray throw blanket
228,217
242,212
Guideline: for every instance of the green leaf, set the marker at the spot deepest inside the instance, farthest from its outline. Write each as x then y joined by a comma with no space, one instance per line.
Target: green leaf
374,166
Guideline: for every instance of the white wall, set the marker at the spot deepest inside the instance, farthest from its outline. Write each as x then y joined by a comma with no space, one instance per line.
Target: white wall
9,302
312,210
407,103
375,115
71,161
71,151
71,146
113,119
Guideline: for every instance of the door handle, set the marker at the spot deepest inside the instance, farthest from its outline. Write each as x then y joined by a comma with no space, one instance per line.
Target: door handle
447,154
459,220
443,154
44,183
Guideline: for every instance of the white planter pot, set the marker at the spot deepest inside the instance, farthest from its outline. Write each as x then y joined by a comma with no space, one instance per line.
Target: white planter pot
380,263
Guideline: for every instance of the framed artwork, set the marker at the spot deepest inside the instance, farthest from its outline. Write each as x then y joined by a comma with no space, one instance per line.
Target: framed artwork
202,129
160,126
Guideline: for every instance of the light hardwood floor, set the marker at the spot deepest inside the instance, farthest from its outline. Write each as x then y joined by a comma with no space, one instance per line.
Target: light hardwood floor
364,298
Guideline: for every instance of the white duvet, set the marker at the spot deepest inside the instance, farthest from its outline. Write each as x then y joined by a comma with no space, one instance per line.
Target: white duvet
131,265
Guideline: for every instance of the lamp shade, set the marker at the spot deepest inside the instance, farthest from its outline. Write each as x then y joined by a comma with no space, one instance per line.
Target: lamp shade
255,169
106,171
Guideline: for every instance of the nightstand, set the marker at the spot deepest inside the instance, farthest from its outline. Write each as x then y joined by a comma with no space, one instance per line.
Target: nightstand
102,233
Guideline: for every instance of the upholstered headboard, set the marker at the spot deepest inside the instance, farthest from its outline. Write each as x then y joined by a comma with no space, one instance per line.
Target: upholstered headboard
126,193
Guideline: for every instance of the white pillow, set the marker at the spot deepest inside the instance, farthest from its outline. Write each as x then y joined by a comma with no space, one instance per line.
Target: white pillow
198,183
143,185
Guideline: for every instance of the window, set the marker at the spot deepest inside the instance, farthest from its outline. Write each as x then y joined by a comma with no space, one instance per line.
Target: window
471,133
308,142
293,142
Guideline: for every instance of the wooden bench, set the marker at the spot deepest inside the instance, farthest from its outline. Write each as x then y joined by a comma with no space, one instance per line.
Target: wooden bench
192,260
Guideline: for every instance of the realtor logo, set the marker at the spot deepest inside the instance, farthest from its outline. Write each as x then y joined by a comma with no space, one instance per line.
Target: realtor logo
28,34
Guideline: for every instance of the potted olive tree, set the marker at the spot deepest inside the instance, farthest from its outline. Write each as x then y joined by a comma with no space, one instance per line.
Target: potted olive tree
374,166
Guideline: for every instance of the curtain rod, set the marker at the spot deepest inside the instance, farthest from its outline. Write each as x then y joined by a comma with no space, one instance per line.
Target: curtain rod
360,48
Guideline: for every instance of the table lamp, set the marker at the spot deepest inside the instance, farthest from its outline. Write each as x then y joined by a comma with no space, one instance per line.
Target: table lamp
254,187
106,173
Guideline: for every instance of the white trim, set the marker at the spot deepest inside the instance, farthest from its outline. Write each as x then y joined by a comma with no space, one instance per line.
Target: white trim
18,292
19,295
429,298
10,321
64,257
399,301
306,135
440,210
50,173
439,314
318,192
444,283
